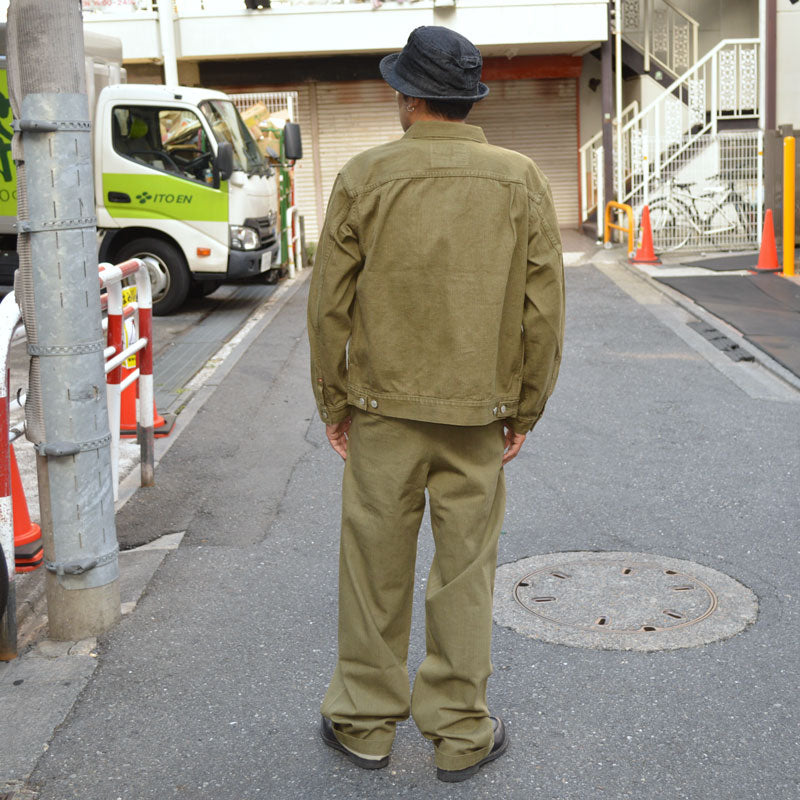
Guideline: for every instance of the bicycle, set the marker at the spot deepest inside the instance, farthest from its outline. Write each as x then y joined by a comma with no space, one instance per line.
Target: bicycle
680,214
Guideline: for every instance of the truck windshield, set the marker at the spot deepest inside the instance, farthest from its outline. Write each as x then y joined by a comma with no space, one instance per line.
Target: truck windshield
228,127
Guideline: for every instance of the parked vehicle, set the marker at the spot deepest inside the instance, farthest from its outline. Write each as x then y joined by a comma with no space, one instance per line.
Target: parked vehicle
179,182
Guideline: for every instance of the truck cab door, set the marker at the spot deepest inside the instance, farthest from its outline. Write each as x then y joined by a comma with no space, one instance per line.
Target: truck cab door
157,172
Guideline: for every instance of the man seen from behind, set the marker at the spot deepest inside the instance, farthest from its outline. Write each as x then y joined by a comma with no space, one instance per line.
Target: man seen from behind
435,320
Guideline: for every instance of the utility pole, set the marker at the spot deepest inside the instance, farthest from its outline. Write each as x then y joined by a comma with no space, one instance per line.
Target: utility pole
58,293
166,31
607,100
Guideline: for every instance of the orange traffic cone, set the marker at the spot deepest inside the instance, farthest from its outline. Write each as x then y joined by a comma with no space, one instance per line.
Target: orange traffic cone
645,254
28,552
127,413
768,255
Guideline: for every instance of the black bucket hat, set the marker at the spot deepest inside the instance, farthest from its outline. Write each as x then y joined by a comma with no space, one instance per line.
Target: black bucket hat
436,64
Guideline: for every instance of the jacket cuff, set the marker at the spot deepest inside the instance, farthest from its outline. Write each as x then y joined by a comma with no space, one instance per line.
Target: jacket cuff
331,415
523,425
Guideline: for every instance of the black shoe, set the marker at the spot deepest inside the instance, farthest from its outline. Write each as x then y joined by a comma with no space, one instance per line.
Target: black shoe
498,748
329,737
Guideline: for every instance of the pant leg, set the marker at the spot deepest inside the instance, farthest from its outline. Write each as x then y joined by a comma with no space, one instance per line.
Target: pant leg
383,500
467,498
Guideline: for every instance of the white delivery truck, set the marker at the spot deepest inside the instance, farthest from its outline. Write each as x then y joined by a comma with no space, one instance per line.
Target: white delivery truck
179,181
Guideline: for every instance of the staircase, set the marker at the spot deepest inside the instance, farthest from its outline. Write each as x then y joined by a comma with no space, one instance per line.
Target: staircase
696,148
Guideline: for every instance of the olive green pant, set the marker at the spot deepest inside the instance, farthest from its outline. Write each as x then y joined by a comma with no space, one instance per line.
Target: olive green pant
390,463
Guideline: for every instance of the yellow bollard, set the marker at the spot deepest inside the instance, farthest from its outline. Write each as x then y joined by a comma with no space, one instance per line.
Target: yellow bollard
612,204
788,204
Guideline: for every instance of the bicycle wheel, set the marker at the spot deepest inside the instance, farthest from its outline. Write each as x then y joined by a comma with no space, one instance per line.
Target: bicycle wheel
671,228
748,219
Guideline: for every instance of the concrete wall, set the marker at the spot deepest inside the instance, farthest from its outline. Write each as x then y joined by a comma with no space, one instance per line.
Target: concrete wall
722,19
590,102
788,90
643,89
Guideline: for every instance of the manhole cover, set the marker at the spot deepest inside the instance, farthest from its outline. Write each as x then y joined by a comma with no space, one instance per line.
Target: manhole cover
621,601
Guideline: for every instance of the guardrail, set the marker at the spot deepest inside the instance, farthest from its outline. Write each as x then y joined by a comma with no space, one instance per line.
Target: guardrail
666,34
591,167
12,330
609,225
724,84
295,256
150,7
111,278
9,324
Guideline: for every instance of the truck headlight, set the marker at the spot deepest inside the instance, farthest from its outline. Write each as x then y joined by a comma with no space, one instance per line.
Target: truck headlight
244,238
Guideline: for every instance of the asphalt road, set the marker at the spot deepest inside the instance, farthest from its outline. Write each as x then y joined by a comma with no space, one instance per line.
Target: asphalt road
211,687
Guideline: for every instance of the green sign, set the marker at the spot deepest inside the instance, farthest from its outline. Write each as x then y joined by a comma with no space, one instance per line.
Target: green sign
8,171
156,195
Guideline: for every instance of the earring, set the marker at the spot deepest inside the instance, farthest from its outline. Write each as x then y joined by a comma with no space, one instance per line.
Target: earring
410,108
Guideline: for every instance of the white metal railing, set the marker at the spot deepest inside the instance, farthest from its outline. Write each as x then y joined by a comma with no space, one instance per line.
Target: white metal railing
9,327
119,6
224,6
590,155
295,256
663,33
724,84
192,7
273,101
12,330
111,278
711,198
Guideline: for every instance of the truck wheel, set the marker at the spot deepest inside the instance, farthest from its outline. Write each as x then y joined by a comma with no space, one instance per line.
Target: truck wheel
169,275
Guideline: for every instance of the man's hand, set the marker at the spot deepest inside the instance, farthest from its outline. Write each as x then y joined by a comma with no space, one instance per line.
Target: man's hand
513,444
338,434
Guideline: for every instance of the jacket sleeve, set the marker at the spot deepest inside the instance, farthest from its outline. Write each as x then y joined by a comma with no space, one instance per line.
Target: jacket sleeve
330,304
543,314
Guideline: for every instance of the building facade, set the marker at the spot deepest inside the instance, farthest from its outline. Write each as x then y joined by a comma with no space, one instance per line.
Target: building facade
542,63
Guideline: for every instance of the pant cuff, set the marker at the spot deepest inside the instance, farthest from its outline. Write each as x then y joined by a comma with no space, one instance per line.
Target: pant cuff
444,761
368,747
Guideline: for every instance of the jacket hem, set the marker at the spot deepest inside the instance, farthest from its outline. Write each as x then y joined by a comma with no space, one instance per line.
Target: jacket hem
431,409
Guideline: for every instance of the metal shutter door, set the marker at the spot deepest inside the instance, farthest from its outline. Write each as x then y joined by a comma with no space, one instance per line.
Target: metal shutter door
353,117
538,118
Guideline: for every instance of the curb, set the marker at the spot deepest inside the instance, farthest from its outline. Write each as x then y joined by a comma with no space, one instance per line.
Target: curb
687,304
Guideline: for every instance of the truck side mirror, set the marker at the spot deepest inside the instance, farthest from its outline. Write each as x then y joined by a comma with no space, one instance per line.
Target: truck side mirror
223,164
292,143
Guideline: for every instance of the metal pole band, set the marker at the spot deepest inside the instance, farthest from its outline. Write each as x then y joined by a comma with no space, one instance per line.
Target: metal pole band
45,226
61,449
66,349
50,126
79,566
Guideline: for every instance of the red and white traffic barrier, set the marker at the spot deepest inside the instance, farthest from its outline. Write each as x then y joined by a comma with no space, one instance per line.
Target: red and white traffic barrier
111,278
9,322
11,329
295,256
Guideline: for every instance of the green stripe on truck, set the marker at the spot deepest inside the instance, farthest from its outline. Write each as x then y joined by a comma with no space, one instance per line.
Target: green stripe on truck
157,196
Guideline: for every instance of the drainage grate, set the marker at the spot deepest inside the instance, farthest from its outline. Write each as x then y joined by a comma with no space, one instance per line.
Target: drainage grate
621,601
721,341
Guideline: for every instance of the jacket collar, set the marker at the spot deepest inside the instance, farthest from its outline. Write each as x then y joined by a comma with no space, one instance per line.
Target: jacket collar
433,129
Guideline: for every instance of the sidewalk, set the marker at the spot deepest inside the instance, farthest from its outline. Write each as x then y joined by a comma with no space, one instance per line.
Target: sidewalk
654,442
762,307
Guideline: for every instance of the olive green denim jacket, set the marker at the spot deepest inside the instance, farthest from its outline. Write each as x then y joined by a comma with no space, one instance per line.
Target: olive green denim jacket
438,286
